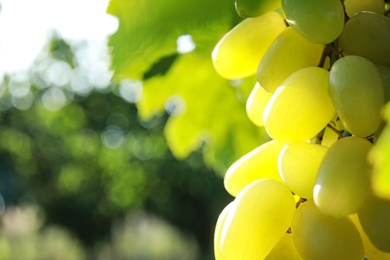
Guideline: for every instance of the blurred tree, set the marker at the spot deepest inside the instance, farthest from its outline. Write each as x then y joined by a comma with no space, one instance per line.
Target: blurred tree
87,159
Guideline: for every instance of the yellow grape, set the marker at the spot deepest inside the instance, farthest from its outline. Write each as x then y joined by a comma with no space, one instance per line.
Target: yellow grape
239,52
367,34
258,219
370,251
356,89
287,54
343,179
379,157
317,21
374,216
385,74
301,107
260,163
218,230
256,103
298,166
354,6
320,237
284,249
253,8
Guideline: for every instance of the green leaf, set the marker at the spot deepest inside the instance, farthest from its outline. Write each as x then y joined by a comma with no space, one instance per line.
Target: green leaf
211,117
149,29
210,112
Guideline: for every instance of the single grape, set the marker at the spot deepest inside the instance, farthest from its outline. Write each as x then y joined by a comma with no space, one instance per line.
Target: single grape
317,21
218,230
259,217
288,53
260,163
301,107
385,74
374,217
367,34
256,103
379,156
354,6
320,237
370,251
356,89
253,8
239,52
298,166
343,178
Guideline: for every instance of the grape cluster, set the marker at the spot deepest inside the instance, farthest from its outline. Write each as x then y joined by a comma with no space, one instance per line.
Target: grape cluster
322,82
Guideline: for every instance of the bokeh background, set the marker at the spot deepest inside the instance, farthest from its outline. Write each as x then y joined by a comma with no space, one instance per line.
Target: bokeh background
115,131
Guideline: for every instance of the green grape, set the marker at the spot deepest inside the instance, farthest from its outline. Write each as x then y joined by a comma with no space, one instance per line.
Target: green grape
320,237
367,34
260,163
317,21
298,166
343,178
218,230
356,89
239,52
284,249
385,74
287,54
370,251
354,6
253,8
256,103
258,219
379,156
374,216
300,108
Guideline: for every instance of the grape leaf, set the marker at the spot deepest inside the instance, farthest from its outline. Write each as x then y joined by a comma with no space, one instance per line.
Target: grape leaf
206,112
211,115
149,29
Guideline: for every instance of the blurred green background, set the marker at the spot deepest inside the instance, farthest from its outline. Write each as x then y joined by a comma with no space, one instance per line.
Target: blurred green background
125,163
116,148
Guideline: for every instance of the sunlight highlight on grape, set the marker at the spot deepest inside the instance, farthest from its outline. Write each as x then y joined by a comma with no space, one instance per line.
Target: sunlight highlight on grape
320,95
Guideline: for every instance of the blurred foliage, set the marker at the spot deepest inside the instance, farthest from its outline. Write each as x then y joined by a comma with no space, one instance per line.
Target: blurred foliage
80,152
137,236
207,112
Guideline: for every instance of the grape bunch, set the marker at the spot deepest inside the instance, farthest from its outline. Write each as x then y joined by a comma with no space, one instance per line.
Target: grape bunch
323,79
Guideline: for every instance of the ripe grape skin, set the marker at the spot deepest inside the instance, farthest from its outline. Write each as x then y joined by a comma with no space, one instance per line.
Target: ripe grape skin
288,53
317,21
367,34
284,249
260,216
253,8
238,52
218,230
354,6
356,89
256,103
298,165
262,162
343,178
374,216
320,237
300,108
370,251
